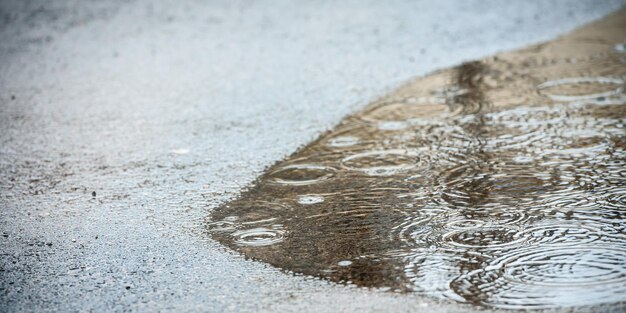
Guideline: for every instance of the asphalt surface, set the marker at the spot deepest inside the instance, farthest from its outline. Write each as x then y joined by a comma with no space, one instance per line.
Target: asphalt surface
123,124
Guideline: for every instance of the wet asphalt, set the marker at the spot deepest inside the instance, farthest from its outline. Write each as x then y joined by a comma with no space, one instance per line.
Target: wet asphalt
124,124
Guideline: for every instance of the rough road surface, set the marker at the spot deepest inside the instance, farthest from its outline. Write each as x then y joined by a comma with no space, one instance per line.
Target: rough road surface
123,124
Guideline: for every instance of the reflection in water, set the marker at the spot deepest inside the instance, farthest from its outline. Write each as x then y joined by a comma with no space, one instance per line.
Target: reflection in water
499,183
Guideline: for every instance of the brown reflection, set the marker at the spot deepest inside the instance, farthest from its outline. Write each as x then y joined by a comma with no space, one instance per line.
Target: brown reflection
470,80
500,182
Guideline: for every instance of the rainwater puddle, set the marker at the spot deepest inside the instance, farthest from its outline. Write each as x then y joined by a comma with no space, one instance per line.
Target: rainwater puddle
499,183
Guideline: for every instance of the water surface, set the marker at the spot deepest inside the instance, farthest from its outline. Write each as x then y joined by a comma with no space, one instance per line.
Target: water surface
500,183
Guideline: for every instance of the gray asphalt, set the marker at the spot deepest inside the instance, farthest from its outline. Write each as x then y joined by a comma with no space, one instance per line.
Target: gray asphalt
166,110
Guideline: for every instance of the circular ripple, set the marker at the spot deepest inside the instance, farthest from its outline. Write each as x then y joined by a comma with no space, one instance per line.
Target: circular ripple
567,197
513,218
561,234
258,237
548,277
382,163
431,272
490,215
466,185
255,212
402,111
343,141
221,226
301,174
492,237
615,200
509,216
392,125
517,128
515,182
413,229
465,224
581,88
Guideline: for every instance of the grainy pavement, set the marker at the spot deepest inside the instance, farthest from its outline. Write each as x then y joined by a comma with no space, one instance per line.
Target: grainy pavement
123,124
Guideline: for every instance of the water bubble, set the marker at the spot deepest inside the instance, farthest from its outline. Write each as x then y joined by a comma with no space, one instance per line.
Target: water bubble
258,237
344,263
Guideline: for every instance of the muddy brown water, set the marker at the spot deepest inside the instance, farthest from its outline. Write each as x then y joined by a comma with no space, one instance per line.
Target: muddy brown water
500,183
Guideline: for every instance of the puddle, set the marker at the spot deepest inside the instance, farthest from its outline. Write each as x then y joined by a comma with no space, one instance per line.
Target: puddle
500,183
